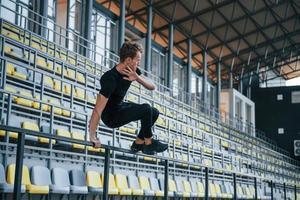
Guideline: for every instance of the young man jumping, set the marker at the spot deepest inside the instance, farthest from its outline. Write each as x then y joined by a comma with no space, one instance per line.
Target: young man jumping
114,112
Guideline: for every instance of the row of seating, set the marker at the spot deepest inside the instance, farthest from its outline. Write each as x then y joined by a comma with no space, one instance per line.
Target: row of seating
41,180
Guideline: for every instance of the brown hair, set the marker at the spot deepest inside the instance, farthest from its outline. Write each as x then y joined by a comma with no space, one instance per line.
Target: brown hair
129,49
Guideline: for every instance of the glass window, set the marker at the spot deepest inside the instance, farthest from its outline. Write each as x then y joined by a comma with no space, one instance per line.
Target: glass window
158,67
179,79
8,11
74,24
102,32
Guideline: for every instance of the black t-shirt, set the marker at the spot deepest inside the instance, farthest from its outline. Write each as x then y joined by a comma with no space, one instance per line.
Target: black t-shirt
114,87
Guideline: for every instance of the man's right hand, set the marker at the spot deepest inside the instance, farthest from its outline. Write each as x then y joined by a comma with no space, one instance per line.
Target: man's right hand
96,142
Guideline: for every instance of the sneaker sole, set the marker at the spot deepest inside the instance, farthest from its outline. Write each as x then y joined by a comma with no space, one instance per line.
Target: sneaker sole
163,150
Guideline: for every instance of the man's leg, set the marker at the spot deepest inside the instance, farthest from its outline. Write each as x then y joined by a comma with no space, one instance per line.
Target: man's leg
129,112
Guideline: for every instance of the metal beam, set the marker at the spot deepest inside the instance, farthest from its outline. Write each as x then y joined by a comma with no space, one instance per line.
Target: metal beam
219,86
170,56
189,66
204,78
121,36
149,38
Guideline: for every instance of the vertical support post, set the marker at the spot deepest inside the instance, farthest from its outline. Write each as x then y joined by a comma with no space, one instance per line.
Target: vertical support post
19,166
234,187
272,192
106,174
44,13
219,86
255,188
148,37
170,56
284,190
295,189
166,180
88,11
121,35
189,66
206,183
204,80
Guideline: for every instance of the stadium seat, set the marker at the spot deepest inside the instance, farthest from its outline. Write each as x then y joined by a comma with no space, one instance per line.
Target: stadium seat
57,85
24,101
197,187
187,188
78,182
40,177
55,102
145,186
171,187
181,189
33,127
94,182
80,78
112,187
134,185
4,186
63,133
60,181
78,136
67,89
155,187
79,93
122,184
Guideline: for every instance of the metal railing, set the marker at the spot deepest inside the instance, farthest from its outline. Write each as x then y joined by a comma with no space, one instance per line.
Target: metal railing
166,161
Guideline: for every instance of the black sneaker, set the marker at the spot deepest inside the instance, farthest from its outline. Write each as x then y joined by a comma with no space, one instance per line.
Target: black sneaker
155,147
136,147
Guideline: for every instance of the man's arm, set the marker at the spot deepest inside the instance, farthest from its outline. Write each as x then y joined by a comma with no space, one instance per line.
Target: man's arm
146,82
95,118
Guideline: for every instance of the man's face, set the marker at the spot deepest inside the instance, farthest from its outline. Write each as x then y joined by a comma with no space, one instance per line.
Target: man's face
133,63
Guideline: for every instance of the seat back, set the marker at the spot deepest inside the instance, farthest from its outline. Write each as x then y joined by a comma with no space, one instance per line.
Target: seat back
121,181
212,189
200,187
77,178
40,175
60,177
11,175
93,179
172,186
133,182
179,185
144,183
187,186
2,174
154,184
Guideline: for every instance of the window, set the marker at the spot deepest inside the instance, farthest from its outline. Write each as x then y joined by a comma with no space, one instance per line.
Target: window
74,25
179,80
296,97
102,34
158,67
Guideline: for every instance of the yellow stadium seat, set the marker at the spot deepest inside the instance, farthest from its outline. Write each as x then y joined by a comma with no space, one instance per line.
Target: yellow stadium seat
144,183
112,188
207,162
200,189
57,85
66,113
212,190
79,93
71,74
56,102
187,188
31,189
80,78
71,60
63,133
89,148
48,81
78,136
122,185
58,68
93,179
10,69
30,126
67,89
23,101
91,99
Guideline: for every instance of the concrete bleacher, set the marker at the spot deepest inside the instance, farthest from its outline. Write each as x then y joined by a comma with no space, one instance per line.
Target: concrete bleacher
50,84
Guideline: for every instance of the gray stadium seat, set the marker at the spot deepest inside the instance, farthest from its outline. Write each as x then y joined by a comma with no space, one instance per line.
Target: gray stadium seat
60,181
78,182
40,176
155,186
180,189
4,186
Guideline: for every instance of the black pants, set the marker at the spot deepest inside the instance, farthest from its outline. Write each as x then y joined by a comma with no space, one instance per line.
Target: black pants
128,112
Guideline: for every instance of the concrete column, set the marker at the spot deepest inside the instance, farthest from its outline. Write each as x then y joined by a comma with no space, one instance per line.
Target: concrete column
121,35
148,37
